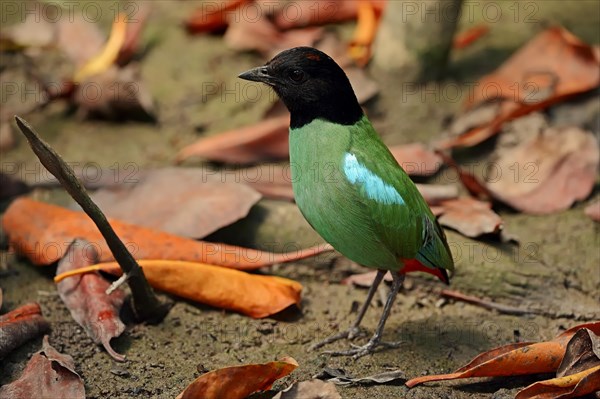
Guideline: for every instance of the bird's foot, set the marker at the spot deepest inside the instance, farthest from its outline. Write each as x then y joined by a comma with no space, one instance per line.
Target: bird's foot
351,333
360,351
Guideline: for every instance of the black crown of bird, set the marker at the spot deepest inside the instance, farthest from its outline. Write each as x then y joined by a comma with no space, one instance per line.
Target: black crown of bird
371,212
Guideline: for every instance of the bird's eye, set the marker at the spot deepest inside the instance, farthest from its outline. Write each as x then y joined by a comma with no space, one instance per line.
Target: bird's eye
296,75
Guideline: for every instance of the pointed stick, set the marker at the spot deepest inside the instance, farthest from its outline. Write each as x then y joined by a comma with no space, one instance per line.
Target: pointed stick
146,305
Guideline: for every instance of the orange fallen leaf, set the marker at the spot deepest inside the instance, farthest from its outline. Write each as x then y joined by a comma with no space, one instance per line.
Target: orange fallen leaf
43,232
238,382
265,140
109,53
359,48
253,295
553,66
212,16
471,35
513,359
570,386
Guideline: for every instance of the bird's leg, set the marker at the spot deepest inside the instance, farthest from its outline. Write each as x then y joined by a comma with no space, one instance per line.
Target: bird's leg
375,340
354,330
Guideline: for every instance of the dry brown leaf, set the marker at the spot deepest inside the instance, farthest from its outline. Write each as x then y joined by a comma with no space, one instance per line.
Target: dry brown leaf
44,240
183,201
238,382
583,353
212,17
416,160
321,12
85,297
469,216
514,359
20,325
551,67
263,141
548,172
48,374
251,294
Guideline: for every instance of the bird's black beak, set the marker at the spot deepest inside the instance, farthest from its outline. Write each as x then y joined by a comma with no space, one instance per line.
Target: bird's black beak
259,74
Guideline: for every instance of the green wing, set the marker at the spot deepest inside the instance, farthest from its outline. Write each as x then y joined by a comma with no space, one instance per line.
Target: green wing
397,210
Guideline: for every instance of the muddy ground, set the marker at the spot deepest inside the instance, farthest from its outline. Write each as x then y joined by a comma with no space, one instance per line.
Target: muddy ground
554,271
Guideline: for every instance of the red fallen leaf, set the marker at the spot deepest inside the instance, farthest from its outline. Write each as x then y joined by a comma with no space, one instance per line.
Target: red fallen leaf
548,172
19,326
470,182
212,16
320,12
85,297
468,37
48,374
469,216
514,359
238,382
205,202
592,210
250,294
263,141
416,160
44,240
553,66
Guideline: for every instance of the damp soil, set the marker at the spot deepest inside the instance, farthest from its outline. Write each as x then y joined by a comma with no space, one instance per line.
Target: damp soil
437,336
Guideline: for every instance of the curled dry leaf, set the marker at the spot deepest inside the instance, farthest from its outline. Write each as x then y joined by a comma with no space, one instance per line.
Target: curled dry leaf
253,295
583,353
553,66
44,240
263,141
469,216
238,382
48,374
19,326
514,359
359,48
311,389
339,377
205,202
548,172
85,297
567,387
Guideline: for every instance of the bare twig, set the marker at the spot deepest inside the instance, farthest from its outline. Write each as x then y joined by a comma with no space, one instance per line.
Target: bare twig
146,306
486,304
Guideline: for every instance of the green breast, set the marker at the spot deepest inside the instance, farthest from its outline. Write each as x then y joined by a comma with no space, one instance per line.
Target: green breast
328,199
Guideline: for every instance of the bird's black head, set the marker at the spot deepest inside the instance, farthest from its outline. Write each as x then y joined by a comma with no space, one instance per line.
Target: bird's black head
311,85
